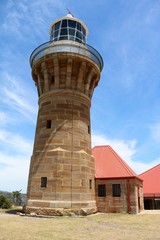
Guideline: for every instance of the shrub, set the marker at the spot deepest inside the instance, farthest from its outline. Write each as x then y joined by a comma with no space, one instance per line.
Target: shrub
5,202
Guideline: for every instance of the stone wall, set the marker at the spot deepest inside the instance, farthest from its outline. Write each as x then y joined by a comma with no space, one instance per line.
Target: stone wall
130,201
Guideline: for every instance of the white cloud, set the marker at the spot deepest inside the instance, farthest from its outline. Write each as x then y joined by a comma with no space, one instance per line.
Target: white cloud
14,161
17,96
31,14
15,142
3,118
14,172
126,150
155,131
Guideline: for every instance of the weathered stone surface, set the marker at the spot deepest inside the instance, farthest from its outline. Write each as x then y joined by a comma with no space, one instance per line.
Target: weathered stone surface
87,211
129,202
73,212
62,146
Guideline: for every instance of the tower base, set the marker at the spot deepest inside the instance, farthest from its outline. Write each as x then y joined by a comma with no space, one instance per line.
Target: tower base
86,208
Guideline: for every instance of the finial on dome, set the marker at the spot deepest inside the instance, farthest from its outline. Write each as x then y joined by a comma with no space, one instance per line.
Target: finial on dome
69,13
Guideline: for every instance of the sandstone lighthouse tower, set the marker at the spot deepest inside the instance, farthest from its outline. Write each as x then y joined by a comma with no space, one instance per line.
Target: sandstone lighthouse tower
65,70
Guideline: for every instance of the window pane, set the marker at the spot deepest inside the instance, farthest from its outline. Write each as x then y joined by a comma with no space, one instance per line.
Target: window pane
83,39
48,124
43,181
79,35
116,189
84,31
63,37
57,25
78,26
101,190
53,28
55,34
71,32
71,23
64,23
63,31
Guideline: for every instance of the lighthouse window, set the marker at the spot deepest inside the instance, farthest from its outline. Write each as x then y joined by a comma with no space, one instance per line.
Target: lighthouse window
89,129
71,32
71,23
83,38
68,29
56,34
79,35
64,23
90,183
79,26
52,79
64,31
57,26
48,124
43,182
84,31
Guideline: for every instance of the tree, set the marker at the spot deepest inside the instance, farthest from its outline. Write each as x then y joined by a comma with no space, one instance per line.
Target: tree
5,202
17,198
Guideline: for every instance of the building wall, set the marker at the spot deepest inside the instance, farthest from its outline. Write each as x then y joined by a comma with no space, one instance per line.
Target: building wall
131,199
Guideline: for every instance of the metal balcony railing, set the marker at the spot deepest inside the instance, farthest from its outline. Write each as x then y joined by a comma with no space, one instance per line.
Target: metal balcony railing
65,46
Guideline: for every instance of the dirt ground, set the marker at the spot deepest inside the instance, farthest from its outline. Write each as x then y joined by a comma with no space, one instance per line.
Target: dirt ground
144,226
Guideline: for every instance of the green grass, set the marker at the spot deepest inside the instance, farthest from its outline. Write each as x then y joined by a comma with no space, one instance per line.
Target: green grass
99,226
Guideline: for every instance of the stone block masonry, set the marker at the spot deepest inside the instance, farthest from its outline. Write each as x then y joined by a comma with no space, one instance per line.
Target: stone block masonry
62,166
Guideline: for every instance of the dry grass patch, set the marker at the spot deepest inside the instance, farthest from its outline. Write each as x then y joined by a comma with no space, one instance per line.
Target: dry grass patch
99,226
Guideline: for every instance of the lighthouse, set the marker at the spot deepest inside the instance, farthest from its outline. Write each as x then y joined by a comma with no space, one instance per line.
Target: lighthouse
66,71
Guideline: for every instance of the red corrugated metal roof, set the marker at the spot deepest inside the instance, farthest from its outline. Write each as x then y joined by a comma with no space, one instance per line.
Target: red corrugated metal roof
108,164
151,182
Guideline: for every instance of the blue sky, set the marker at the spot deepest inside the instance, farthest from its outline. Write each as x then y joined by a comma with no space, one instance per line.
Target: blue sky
125,110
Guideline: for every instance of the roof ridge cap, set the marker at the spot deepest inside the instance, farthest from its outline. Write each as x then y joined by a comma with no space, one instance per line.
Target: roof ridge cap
101,146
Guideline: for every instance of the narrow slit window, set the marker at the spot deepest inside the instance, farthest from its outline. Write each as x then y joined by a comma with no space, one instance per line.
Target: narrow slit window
90,183
43,182
52,80
48,124
89,130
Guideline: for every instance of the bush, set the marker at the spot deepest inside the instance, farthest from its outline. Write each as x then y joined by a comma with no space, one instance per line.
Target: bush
5,202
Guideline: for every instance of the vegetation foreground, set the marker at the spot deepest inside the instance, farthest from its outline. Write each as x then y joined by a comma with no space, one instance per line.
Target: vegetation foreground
98,226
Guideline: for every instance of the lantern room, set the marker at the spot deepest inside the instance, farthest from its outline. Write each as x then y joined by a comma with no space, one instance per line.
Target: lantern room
68,28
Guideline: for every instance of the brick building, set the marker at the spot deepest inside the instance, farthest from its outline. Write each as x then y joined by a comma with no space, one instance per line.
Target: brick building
118,188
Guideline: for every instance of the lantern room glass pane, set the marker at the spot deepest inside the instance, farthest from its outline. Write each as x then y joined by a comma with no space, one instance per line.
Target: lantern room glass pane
55,34
68,29
63,31
57,25
64,23
71,32
79,35
71,24
78,26
83,31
